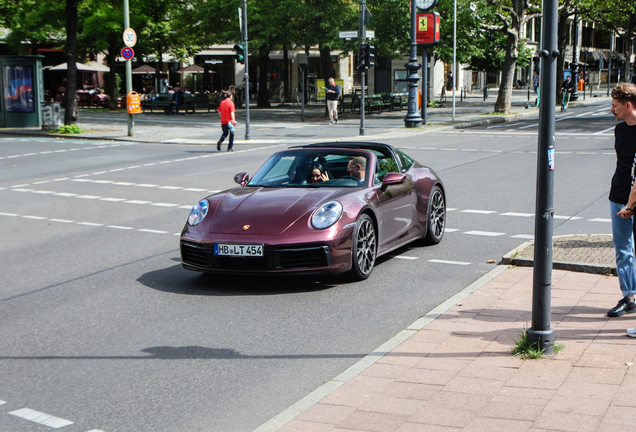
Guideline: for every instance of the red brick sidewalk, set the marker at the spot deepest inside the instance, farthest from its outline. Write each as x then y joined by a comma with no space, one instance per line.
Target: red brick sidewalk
457,374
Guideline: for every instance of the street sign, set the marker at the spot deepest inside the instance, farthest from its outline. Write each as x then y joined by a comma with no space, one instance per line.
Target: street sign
427,29
354,34
347,34
130,37
127,53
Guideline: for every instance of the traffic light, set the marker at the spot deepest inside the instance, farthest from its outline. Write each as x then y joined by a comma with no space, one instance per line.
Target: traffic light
368,56
240,52
362,53
365,57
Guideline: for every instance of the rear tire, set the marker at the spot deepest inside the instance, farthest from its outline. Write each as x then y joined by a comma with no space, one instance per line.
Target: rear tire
363,248
436,217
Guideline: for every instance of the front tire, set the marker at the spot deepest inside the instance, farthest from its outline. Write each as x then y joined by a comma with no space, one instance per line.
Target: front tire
436,217
363,248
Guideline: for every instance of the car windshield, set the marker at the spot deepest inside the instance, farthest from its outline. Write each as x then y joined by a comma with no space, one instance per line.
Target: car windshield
314,168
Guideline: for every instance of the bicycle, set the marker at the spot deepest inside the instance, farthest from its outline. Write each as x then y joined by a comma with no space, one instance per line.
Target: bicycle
566,100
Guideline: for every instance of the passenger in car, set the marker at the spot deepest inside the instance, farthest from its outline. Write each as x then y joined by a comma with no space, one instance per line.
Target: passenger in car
317,174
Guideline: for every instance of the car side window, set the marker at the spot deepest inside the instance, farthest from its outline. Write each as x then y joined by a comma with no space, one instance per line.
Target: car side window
406,161
385,166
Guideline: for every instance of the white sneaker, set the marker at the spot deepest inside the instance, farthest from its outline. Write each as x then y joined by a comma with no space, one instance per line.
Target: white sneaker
631,332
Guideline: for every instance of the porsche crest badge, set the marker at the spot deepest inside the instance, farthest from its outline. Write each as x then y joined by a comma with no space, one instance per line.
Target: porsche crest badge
246,227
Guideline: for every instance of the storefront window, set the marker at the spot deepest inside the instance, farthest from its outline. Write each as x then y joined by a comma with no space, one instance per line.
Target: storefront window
18,84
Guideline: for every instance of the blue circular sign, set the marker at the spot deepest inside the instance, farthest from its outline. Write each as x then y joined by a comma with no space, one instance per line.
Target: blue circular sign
127,53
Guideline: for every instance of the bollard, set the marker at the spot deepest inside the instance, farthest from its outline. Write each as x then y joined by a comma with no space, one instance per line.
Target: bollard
485,92
528,92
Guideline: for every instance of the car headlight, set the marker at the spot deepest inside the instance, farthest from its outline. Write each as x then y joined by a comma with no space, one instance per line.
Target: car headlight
198,212
327,215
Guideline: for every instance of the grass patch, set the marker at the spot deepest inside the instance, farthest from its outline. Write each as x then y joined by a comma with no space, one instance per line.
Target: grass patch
68,130
525,350
432,104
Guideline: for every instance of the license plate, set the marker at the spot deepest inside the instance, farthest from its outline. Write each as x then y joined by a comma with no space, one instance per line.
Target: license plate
243,250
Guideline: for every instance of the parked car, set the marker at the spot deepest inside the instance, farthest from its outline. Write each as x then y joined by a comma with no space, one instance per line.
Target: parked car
319,208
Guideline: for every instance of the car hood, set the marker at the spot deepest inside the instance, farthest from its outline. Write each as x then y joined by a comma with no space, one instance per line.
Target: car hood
265,211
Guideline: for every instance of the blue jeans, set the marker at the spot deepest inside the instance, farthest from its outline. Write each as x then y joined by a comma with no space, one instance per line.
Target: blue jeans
623,235
228,128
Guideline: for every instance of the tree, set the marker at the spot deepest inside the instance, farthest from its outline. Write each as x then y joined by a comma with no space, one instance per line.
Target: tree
70,53
513,15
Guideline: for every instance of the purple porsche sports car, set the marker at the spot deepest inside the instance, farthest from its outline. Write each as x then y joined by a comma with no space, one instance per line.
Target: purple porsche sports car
320,208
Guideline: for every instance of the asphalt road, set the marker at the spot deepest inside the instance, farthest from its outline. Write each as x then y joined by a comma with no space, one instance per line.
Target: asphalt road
103,328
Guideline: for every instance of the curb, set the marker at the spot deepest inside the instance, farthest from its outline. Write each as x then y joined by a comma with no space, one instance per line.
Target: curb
329,387
511,259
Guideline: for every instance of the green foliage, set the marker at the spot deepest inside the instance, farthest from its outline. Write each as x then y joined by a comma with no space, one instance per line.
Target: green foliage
524,349
69,129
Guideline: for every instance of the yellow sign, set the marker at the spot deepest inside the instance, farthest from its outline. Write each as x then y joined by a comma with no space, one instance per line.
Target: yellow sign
422,24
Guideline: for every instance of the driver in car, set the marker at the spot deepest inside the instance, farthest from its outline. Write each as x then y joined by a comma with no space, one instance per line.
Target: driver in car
357,167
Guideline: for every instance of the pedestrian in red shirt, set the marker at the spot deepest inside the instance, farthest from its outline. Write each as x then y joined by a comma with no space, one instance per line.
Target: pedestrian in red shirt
228,120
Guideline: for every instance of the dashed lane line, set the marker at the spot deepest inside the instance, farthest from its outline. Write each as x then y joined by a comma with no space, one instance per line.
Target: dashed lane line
485,233
449,262
64,150
41,418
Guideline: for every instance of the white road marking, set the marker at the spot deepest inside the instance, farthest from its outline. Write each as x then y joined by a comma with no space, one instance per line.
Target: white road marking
2,402
448,262
600,220
518,214
485,233
404,257
90,224
42,182
567,217
8,214
62,220
153,231
604,131
41,418
478,211
523,236
164,205
146,185
33,217
119,227
450,230
113,199
19,186
88,196
137,202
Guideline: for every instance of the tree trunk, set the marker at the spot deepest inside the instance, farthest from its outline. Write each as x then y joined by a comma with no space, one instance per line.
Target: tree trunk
263,66
286,88
504,98
112,75
326,68
70,53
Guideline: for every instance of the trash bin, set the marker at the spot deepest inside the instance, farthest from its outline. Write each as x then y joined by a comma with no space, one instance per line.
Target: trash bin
51,116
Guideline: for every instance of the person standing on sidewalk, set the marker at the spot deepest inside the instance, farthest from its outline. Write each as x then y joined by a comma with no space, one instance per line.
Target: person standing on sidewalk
228,120
622,205
333,93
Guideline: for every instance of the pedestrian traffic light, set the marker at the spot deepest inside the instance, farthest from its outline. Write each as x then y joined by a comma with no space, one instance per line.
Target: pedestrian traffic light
240,52
368,56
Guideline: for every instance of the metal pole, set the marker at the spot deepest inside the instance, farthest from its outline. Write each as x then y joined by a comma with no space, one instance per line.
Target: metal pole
609,63
413,118
585,74
454,54
362,28
302,92
247,75
540,334
575,64
131,123
424,86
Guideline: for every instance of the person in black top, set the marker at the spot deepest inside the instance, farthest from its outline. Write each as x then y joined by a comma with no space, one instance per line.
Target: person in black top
623,196
333,93
177,100
568,84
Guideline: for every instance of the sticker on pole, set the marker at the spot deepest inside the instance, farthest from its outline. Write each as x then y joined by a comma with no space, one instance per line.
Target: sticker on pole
127,53
130,37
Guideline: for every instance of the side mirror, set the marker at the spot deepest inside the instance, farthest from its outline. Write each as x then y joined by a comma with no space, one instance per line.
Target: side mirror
393,178
242,178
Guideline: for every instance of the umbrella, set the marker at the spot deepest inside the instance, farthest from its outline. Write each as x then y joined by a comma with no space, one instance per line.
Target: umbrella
80,67
193,69
145,69
97,67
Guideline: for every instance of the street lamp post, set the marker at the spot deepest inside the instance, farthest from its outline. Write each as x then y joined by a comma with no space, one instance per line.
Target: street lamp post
131,124
540,334
575,64
413,118
247,76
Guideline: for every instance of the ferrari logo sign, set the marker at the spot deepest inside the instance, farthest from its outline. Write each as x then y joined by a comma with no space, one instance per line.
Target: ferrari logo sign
422,24
246,227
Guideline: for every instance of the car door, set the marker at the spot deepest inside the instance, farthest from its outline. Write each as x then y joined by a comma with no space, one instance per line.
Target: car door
396,203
